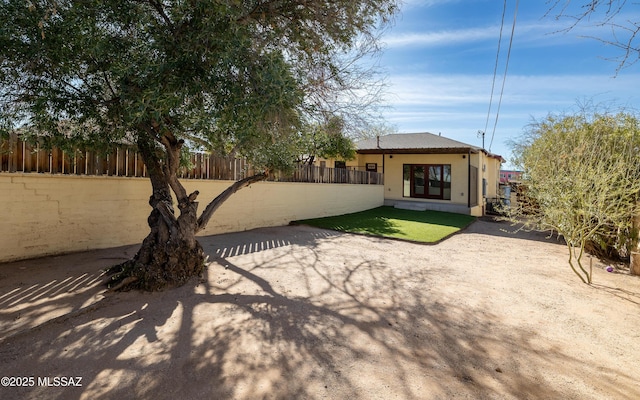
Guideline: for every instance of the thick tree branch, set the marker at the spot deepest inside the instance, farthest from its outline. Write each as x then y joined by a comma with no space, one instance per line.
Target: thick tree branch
158,7
150,157
107,81
166,213
222,197
172,148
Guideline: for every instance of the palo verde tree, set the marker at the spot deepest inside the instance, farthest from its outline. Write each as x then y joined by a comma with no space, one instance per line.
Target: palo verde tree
227,75
581,174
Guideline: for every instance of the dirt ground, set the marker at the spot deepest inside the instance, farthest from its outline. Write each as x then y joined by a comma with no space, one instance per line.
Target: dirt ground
302,313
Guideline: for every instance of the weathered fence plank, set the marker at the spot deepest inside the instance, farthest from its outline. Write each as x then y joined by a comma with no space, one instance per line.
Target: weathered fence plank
17,155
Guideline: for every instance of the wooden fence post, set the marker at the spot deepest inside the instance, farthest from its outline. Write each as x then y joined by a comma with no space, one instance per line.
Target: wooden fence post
634,266
13,152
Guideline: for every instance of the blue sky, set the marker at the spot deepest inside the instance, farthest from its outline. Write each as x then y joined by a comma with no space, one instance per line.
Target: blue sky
440,56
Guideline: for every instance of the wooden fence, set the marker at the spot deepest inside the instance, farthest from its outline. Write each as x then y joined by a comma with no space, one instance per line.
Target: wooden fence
19,156
313,174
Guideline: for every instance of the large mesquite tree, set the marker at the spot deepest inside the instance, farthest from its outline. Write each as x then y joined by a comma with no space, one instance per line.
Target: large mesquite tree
229,75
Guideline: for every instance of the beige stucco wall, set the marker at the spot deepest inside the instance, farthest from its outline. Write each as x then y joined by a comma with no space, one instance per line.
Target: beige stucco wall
362,159
53,214
391,165
489,169
493,177
393,168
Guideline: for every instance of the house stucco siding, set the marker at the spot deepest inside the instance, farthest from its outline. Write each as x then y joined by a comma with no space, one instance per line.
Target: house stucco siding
392,166
391,152
394,185
361,161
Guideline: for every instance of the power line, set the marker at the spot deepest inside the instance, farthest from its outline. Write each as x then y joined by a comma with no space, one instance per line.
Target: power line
506,67
495,72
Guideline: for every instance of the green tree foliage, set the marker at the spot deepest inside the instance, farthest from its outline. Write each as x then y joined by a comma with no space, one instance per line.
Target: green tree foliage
228,75
581,173
325,140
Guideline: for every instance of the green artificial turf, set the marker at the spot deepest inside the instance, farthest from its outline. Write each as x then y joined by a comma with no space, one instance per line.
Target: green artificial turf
419,226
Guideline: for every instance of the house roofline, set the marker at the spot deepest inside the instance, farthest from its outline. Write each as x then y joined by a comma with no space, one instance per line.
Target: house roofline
433,150
496,156
450,150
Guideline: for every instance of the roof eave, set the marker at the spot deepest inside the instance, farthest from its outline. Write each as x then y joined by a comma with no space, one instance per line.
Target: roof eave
433,150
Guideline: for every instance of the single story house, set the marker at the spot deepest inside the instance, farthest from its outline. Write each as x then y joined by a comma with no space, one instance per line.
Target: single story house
427,171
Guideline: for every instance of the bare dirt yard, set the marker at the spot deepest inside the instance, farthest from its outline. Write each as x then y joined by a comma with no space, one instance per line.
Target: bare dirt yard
303,313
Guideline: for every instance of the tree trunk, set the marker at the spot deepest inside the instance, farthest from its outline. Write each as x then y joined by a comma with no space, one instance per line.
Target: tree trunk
634,264
170,255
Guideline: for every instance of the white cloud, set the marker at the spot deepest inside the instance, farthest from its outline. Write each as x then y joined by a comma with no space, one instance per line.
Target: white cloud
438,90
441,38
457,105
520,90
426,3
545,34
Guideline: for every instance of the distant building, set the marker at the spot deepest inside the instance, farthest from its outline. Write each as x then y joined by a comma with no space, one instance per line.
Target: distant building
507,176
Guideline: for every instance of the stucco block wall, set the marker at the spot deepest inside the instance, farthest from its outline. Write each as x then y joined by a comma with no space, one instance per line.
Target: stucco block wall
53,214
278,203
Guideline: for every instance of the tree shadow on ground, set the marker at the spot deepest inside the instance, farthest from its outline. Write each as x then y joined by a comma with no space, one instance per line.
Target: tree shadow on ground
36,290
379,221
242,243
376,226
508,229
624,294
289,321
454,220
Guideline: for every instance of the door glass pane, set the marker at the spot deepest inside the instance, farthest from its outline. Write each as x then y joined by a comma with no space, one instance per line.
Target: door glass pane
446,178
418,181
406,180
435,173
